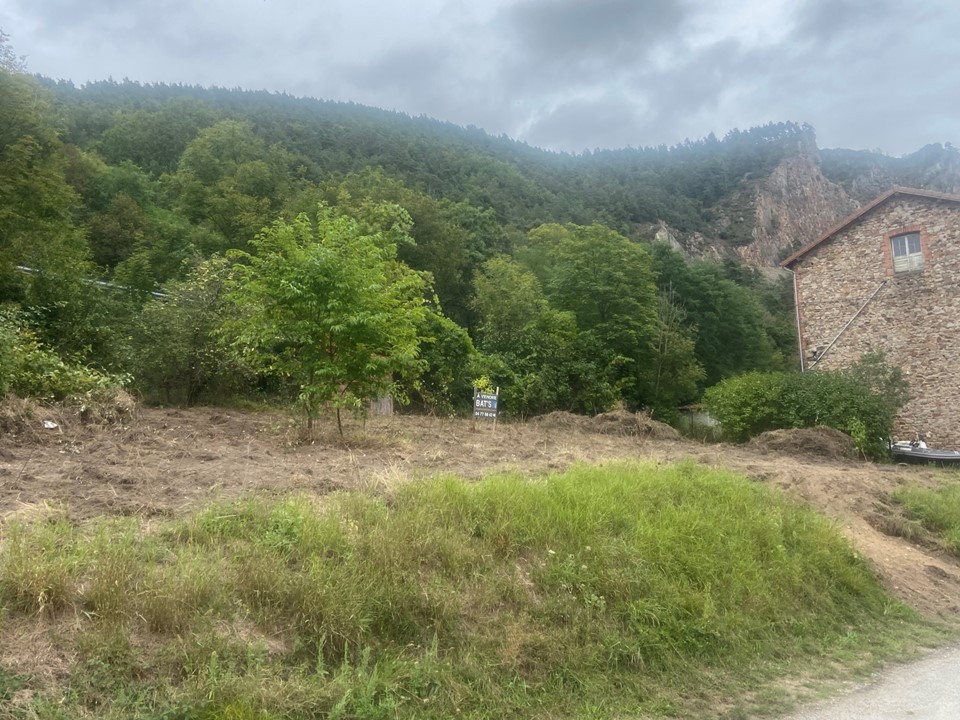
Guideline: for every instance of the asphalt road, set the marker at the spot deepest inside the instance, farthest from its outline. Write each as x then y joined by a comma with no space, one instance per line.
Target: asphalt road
928,689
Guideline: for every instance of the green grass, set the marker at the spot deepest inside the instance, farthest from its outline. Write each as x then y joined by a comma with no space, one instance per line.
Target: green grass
601,592
938,511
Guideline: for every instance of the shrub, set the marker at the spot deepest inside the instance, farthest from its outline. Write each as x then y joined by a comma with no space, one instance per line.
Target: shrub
177,357
747,405
839,400
861,401
30,369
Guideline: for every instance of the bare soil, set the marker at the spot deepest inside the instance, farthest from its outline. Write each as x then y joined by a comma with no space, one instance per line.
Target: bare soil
167,462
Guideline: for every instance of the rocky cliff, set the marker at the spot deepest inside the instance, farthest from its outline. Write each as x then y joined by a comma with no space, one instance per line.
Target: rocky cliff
805,195
794,205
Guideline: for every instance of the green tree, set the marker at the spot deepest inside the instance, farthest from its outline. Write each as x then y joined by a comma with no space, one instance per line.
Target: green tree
155,140
677,373
452,238
607,282
326,305
37,231
231,181
36,203
114,234
9,60
448,362
177,354
733,334
533,350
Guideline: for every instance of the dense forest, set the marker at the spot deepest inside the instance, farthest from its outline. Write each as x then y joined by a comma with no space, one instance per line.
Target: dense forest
206,244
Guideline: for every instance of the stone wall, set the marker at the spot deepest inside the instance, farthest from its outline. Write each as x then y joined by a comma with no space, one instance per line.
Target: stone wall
914,318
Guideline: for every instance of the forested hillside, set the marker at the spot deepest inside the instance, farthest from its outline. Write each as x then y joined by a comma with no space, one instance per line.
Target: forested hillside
204,243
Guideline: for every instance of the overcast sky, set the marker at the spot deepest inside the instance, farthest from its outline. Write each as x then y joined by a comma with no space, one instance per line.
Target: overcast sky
560,74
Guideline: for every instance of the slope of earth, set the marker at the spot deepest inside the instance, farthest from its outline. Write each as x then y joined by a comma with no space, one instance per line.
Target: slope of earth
172,461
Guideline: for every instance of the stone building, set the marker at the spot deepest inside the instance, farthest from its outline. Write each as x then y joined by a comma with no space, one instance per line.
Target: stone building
888,279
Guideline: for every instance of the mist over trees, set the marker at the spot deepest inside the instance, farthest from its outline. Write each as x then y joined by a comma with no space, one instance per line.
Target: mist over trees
282,236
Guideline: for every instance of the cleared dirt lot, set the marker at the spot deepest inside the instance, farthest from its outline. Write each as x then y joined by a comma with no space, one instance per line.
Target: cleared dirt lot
166,462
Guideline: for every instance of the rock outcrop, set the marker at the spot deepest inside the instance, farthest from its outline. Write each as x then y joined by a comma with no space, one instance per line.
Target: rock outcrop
805,195
794,205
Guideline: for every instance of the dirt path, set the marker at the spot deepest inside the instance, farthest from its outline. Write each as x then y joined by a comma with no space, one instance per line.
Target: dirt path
167,462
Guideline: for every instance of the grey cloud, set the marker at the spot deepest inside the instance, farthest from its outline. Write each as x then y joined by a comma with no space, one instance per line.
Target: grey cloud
555,43
827,20
867,74
579,30
566,74
609,121
402,66
697,82
409,77
652,107
104,18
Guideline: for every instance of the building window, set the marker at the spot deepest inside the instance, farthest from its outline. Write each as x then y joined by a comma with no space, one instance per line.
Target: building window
907,252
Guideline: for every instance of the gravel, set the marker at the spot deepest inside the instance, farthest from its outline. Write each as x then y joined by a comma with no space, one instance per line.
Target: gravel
924,690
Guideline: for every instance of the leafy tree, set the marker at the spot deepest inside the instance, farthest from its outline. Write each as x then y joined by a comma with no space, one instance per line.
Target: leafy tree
177,353
113,234
452,238
327,305
509,300
607,283
9,61
155,140
732,327
169,247
37,231
448,362
534,351
230,180
35,201
677,373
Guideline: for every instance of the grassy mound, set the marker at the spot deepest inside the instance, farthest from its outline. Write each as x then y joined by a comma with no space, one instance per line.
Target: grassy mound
597,593
938,511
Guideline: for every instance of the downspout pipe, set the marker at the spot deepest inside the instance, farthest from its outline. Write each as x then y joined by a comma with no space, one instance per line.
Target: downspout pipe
796,312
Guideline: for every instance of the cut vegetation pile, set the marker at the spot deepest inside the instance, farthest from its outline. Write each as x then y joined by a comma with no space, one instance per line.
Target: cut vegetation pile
28,422
822,442
599,592
617,422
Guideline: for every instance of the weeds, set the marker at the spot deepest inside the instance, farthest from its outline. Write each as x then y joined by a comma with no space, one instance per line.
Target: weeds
938,511
38,567
599,592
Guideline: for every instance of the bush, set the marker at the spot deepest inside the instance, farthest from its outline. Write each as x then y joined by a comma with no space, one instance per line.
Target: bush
861,401
447,367
30,369
177,357
746,405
